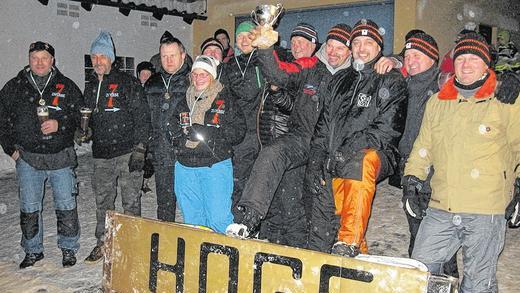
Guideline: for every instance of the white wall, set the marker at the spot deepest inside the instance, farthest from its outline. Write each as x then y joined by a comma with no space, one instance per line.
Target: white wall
26,21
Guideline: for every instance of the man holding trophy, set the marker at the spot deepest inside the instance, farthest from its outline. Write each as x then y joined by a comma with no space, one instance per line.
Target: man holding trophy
39,111
309,78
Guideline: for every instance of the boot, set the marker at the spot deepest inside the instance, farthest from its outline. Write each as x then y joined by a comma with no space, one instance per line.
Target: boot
247,222
343,249
30,259
96,254
69,258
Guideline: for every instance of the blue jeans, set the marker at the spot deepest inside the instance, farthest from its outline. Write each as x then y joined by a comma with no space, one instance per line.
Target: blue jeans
441,234
204,194
32,187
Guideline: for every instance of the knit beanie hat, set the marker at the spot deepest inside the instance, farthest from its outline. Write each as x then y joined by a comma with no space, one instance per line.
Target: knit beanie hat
41,46
305,31
245,26
473,43
103,45
207,63
220,31
167,37
424,43
145,65
368,28
211,42
340,32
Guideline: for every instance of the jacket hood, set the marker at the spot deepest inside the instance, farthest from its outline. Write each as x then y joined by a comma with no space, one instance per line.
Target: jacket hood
322,55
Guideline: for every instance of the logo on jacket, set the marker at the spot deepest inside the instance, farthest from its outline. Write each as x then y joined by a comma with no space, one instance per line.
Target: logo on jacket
220,110
56,97
110,102
363,100
309,89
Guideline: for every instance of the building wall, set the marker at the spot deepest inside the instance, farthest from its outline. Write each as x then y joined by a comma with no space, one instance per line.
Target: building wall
221,14
24,22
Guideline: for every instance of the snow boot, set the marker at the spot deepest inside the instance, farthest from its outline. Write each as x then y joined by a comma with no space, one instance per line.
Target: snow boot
69,258
30,259
344,249
96,254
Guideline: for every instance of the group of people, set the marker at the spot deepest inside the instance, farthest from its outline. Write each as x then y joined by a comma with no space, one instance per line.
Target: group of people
281,145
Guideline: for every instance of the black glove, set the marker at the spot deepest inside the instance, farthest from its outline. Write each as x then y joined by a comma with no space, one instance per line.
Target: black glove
136,162
314,173
81,136
513,208
198,132
509,88
411,198
335,164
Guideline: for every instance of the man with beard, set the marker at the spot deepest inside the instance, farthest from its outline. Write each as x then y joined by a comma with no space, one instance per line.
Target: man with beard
354,146
164,90
119,122
308,77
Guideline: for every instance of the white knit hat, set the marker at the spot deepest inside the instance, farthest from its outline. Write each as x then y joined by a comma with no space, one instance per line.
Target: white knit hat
207,63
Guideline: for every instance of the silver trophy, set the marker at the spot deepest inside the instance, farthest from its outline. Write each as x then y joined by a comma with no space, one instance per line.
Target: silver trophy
266,15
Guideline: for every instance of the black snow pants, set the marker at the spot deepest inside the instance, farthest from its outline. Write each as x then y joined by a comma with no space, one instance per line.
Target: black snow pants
166,200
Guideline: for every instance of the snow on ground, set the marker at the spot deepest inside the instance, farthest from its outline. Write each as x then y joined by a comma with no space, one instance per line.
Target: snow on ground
387,235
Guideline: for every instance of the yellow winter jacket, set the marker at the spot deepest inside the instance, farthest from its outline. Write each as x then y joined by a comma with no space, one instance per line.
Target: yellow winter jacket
473,145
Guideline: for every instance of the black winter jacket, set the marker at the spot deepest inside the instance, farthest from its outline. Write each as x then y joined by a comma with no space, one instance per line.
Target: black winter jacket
365,110
224,126
162,109
19,125
307,77
121,117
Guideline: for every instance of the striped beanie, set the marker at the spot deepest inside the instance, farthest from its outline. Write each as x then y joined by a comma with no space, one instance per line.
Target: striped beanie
211,42
340,32
473,43
368,28
305,31
424,43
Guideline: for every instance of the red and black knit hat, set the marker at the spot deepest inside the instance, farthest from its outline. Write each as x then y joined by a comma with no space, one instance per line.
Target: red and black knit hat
368,28
340,32
424,43
473,43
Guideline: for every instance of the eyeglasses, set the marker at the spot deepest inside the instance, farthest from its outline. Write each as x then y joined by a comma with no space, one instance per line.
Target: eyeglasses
203,75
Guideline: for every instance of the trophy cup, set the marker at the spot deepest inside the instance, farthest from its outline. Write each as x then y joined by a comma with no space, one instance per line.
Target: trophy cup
85,117
266,17
43,115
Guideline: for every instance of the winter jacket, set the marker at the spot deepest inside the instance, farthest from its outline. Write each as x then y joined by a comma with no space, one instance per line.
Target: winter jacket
224,126
474,145
121,117
307,77
162,109
366,110
19,125
420,88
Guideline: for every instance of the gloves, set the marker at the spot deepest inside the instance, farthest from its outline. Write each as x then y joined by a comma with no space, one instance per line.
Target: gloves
81,136
264,37
513,208
198,132
314,178
136,162
509,88
411,199
337,163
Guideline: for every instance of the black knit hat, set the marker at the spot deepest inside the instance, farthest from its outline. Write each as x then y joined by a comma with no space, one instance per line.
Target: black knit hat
305,31
340,32
424,43
41,46
211,42
368,28
220,31
167,37
145,65
473,43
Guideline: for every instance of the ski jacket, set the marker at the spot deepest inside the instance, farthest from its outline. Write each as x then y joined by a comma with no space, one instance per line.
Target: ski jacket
120,117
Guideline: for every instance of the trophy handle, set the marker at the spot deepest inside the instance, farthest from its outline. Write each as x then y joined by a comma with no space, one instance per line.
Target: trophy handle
253,17
280,10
